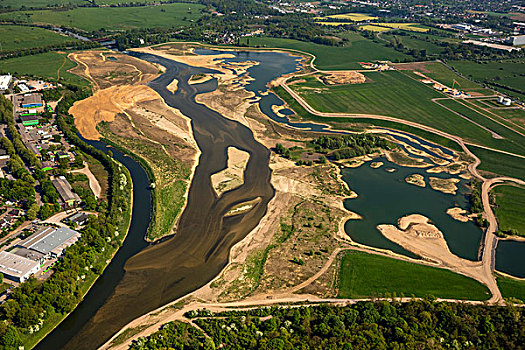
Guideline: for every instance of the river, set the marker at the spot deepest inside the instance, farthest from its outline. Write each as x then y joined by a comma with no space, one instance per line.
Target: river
143,277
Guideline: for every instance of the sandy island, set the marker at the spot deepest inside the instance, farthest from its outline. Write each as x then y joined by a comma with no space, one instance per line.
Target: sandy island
459,214
233,176
376,165
416,179
172,87
444,185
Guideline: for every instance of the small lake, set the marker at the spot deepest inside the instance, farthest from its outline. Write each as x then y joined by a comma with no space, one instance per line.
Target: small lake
385,197
510,258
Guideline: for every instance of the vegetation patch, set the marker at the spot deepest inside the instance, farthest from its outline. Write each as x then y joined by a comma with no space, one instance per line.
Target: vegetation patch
510,209
370,275
511,289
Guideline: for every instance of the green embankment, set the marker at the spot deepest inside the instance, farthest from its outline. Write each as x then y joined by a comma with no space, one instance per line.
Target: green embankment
511,288
113,18
45,65
510,208
22,37
365,275
358,49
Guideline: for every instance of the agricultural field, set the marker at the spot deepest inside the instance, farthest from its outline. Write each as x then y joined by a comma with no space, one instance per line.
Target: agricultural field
374,28
358,49
511,288
113,18
364,275
395,94
441,73
509,73
333,24
46,65
411,27
20,37
499,163
510,208
354,17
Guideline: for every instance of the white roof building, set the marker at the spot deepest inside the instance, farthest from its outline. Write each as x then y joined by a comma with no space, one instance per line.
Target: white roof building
5,80
16,267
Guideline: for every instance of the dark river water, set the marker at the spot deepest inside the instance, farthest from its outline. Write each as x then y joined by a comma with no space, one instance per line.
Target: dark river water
143,277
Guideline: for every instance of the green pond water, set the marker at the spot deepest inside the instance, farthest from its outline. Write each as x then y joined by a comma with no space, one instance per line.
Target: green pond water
385,197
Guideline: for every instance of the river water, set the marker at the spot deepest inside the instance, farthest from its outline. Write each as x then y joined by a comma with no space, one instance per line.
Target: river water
143,277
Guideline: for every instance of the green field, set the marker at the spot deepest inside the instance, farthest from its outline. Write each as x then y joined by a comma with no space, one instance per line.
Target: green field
415,43
364,275
20,37
44,65
499,163
510,208
511,288
16,4
358,50
438,71
510,73
113,18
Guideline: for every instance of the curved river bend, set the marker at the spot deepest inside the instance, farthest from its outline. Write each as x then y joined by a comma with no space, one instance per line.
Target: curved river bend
143,277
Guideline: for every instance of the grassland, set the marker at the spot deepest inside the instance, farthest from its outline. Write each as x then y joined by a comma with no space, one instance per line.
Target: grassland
499,163
510,73
20,37
113,18
358,49
510,208
365,275
511,288
45,65
414,43
16,4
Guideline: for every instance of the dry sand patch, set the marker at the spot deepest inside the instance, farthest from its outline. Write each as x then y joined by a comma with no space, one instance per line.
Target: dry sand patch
233,176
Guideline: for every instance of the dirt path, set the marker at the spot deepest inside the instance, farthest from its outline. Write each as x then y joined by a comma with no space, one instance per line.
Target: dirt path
93,182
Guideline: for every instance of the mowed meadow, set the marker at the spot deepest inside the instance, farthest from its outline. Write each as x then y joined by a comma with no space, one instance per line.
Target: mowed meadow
368,275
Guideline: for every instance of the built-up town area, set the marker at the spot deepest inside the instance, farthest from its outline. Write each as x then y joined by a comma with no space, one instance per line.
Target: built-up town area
29,246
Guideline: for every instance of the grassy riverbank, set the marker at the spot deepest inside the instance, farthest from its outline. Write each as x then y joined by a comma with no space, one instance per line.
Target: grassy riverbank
368,275
169,175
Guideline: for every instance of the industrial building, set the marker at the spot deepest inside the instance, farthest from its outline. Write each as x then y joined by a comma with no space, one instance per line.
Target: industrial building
50,241
31,101
17,268
29,120
5,80
517,40
65,191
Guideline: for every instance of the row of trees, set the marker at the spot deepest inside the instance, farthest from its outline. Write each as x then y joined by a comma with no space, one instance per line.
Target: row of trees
349,146
366,325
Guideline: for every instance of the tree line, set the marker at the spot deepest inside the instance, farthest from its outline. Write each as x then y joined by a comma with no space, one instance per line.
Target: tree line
418,324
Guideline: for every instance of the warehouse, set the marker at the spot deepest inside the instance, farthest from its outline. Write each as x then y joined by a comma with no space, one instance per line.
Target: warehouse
65,191
31,101
29,120
17,268
51,241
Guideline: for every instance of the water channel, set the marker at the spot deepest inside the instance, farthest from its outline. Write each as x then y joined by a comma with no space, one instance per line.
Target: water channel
143,277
